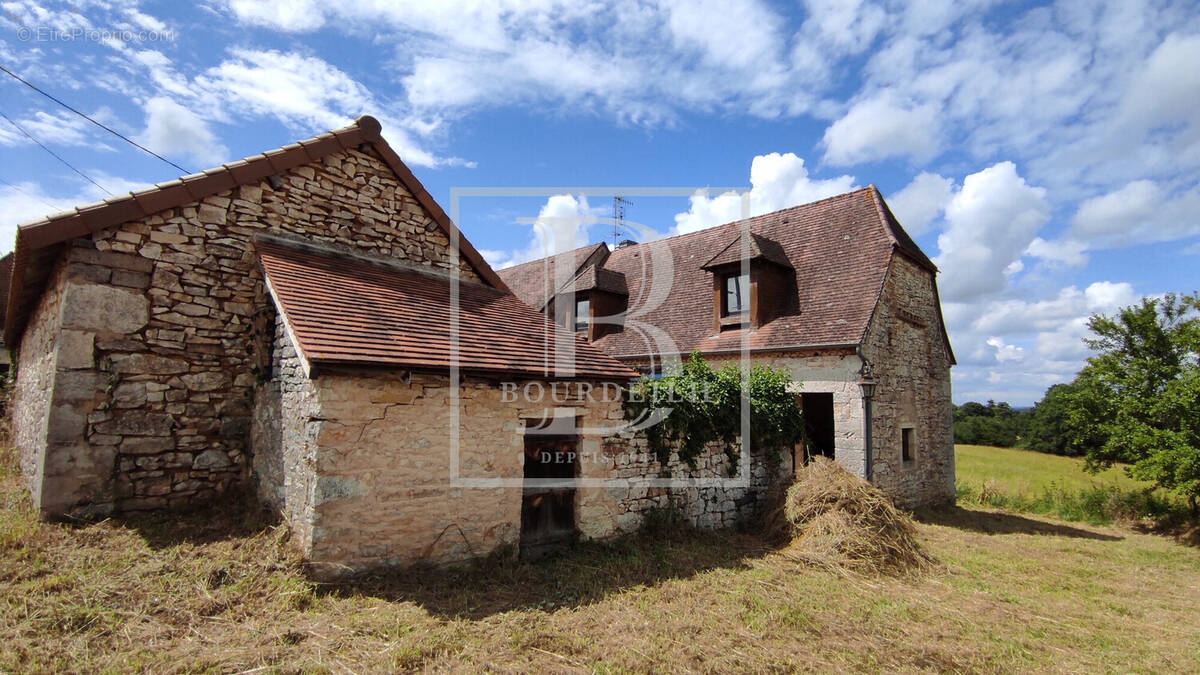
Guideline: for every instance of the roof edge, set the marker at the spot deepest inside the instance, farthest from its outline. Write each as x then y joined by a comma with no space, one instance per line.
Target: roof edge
90,218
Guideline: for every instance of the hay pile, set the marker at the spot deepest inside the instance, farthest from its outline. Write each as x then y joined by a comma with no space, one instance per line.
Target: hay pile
840,522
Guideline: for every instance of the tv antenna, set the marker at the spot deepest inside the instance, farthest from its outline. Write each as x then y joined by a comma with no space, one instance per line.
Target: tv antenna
619,204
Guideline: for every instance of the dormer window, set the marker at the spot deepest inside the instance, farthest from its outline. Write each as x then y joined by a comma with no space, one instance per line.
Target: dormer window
752,279
735,300
583,313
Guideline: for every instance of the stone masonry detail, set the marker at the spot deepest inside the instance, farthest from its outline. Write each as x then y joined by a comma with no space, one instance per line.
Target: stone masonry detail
167,326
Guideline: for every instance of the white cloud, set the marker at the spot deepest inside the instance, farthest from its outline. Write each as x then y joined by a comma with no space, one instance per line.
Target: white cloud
176,131
880,127
292,16
990,223
1140,212
921,201
58,128
1005,351
641,62
304,92
1015,348
777,182
28,201
561,225
849,26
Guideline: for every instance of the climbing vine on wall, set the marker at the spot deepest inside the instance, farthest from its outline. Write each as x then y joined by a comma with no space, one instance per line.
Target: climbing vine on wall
704,406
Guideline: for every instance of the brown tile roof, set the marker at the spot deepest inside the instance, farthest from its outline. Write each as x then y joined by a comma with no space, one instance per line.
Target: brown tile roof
840,248
596,278
531,281
757,248
348,310
39,243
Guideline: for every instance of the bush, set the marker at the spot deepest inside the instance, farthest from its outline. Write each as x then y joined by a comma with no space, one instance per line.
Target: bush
1095,504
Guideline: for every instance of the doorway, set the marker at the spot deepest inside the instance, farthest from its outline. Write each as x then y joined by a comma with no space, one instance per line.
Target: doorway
548,498
818,425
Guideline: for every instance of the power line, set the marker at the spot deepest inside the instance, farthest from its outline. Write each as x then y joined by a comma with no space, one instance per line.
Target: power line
54,154
31,195
143,148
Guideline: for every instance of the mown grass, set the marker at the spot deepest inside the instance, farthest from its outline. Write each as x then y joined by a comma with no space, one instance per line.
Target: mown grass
222,591
1034,482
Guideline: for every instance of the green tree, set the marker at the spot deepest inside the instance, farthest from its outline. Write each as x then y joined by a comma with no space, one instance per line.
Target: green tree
1138,398
1049,425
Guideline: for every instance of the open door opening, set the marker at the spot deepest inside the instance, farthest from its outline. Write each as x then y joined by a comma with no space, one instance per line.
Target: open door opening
818,425
548,500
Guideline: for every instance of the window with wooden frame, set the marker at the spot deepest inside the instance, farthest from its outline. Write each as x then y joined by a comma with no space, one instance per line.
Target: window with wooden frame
583,313
735,295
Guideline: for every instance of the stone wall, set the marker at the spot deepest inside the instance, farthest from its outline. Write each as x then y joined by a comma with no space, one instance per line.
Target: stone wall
172,325
364,464
283,437
713,500
911,365
33,392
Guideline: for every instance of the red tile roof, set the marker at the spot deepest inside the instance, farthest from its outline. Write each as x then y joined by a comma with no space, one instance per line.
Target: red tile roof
840,248
348,310
532,281
39,243
757,248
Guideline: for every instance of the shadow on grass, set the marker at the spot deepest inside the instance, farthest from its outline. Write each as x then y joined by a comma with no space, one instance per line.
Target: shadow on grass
992,522
580,575
232,515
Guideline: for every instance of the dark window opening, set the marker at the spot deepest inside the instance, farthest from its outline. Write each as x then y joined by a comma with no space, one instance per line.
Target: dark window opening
583,316
818,425
548,499
906,444
735,298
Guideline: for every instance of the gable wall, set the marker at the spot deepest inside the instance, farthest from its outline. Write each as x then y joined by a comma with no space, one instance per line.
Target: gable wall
911,366
174,326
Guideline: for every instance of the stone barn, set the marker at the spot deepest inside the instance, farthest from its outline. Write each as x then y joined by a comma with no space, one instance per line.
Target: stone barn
309,321
834,291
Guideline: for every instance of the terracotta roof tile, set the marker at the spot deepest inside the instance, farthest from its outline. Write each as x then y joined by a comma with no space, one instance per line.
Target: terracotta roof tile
758,248
531,281
347,310
839,247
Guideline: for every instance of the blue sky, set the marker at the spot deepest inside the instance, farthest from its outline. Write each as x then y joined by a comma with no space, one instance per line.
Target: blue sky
1046,156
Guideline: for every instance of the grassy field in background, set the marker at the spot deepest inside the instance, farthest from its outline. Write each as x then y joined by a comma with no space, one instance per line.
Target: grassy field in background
1026,473
222,591
1034,482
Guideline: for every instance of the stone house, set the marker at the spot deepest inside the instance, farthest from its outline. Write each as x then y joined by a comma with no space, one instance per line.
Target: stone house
309,321
835,292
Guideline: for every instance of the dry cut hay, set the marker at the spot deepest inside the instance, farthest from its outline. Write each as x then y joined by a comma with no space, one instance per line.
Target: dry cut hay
840,522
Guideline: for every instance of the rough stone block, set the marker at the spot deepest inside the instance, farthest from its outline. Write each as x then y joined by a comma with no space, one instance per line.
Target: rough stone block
139,280
149,364
147,445
76,350
104,308
137,423
211,459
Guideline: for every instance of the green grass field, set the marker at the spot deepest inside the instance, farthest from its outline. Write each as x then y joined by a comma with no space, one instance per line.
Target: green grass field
1034,482
1026,473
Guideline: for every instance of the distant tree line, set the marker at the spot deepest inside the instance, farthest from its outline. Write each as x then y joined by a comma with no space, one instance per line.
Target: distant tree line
1136,402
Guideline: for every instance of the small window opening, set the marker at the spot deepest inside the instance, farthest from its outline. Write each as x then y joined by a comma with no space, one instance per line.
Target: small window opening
583,308
906,444
735,300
